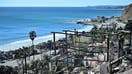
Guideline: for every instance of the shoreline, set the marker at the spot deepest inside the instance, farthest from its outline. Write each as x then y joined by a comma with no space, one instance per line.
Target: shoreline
27,43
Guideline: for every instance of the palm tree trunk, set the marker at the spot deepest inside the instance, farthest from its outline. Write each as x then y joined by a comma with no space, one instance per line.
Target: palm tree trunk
25,64
33,51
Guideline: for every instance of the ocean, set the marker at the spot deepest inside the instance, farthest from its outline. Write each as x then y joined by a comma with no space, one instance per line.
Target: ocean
17,22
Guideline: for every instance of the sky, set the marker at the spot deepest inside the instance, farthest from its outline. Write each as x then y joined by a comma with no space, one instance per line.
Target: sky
61,3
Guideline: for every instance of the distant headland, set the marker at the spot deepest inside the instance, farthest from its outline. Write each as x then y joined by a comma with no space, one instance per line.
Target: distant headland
108,7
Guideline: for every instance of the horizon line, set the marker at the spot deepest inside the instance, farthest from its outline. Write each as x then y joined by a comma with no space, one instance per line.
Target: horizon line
65,6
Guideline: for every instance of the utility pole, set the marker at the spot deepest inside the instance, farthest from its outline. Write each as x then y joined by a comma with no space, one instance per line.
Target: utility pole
54,42
108,48
66,48
108,54
54,47
25,60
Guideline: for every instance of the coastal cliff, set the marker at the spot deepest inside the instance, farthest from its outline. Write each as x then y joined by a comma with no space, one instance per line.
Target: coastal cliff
127,14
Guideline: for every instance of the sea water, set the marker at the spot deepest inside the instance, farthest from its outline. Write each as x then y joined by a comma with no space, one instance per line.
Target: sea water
17,22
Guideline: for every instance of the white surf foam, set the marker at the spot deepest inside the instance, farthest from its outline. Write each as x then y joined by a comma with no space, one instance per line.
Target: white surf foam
27,42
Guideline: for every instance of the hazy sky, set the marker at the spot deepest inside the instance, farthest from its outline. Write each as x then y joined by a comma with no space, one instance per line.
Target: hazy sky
63,3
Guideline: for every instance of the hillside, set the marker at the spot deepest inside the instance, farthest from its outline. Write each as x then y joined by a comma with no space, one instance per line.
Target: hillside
127,13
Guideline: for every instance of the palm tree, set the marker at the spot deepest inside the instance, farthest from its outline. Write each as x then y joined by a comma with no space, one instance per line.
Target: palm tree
32,36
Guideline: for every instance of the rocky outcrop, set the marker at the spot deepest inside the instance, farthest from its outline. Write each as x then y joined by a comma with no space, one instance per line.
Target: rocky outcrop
127,14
